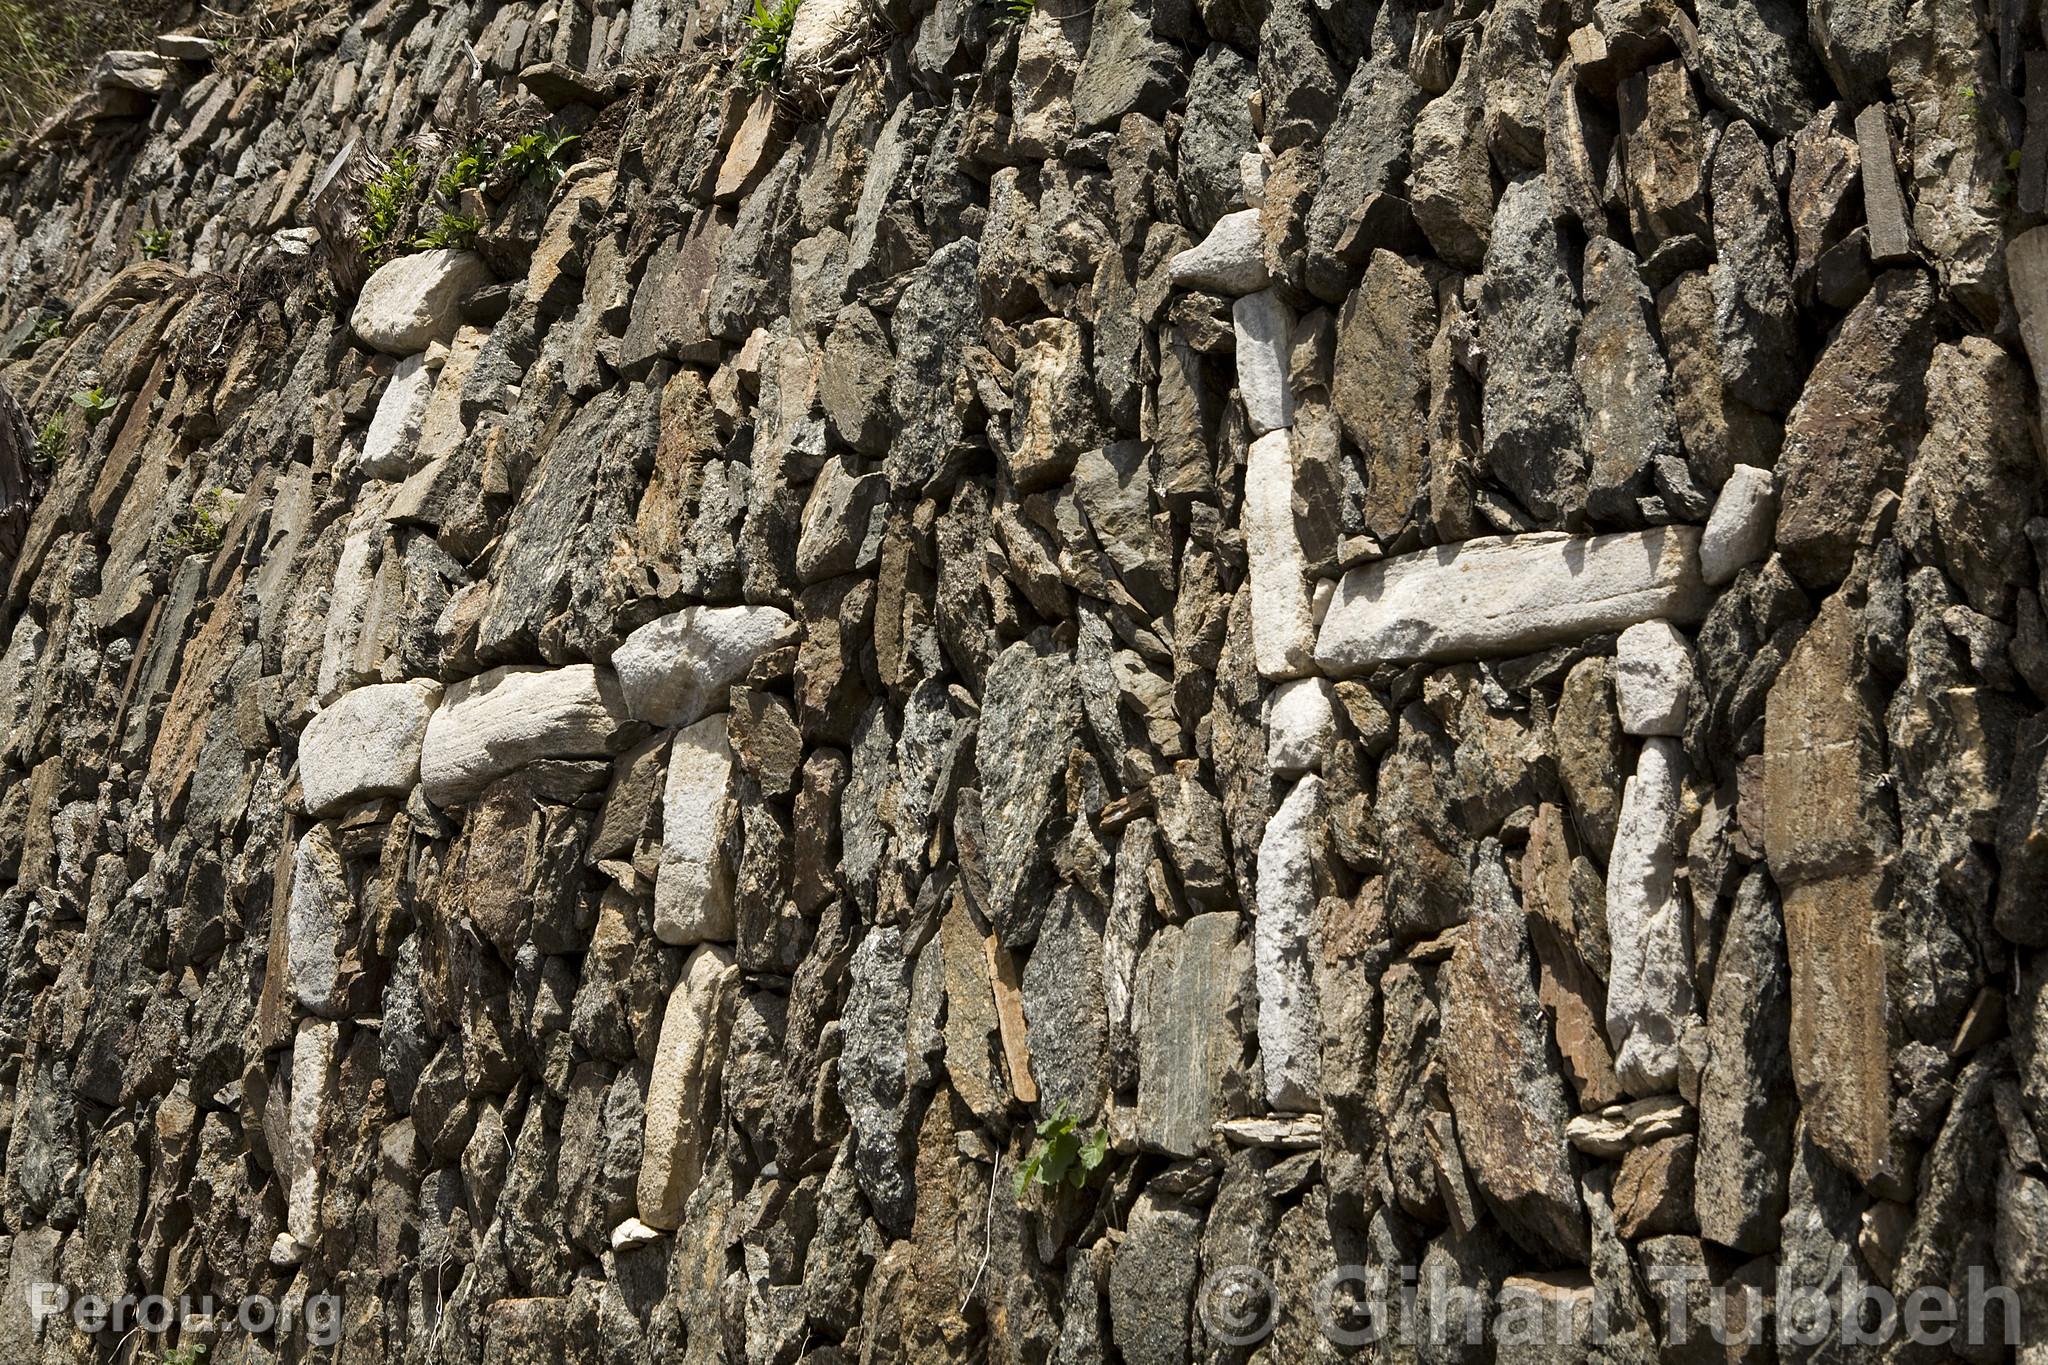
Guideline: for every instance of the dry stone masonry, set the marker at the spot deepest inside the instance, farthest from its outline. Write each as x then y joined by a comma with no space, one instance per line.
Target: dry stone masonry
1060,690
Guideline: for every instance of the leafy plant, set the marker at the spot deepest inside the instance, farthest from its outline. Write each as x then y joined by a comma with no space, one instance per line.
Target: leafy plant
766,49
1007,13
154,242
471,168
96,403
51,326
185,1355
203,526
539,157
454,230
49,451
1063,1155
276,73
387,202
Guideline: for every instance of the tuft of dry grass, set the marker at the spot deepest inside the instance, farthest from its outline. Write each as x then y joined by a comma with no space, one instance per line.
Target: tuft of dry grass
47,47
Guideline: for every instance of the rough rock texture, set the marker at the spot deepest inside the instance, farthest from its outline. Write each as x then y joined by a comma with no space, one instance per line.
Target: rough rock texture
1416,634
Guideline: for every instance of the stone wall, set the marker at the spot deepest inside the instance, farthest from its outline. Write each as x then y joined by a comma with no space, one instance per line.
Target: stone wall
1422,629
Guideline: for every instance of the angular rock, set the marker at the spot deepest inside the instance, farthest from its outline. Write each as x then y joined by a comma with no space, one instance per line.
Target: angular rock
415,301
693,888
677,669
1265,331
1289,1026
1754,59
1738,531
1505,595
393,438
1650,1000
1189,997
1380,388
1664,151
1653,674
1030,716
1534,413
1635,468
1230,260
514,715
1300,727
1754,316
365,744
1283,625
683,1089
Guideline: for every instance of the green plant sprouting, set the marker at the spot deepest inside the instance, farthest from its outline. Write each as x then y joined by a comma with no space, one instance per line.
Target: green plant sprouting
95,403
539,157
1006,13
469,169
155,243
276,73
766,48
51,326
454,230
185,1355
49,451
1063,1155
387,201
203,526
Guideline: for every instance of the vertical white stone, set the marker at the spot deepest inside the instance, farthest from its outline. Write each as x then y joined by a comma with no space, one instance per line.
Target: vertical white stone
693,886
1738,531
312,1085
1290,1030
1300,721
1283,628
687,1060
1265,333
1649,987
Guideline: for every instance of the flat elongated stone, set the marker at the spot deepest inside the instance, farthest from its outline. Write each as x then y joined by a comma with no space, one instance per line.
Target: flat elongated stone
1649,982
502,720
1509,595
1265,329
1230,260
1289,1026
1738,531
676,669
695,1029
1188,996
394,434
1283,628
693,887
366,744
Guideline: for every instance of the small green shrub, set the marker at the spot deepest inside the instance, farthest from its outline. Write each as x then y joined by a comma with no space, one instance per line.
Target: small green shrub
51,326
1063,1155
203,526
95,403
49,451
1008,13
454,230
387,202
539,158
276,73
185,1355
468,170
766,49
154,242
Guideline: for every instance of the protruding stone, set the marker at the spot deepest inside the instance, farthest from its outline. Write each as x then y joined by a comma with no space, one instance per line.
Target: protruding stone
682,1092
1653,674
1230,260
1738,531
1300,724
677,669
416,300
1283,627
312,1093
1649,982
502,720
365,744
1265,331
393,438
1290,1028
1192,987
1503,595
693,888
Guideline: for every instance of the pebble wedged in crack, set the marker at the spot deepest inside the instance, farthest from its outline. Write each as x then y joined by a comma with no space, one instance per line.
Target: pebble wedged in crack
891,711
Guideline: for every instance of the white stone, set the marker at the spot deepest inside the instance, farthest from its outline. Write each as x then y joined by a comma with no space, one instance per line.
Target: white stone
1300,723
1230,260
1251,174
502,720
393,440
695,1028
286,1250
1502,595
633,1233
1320,597
1650,1002
1739,528
693,884
442,428
312,1085
186,47
1265,333
1283,625
1290,1026
1652,678
366,744
676,669
347,657
318,915
822,31
416,300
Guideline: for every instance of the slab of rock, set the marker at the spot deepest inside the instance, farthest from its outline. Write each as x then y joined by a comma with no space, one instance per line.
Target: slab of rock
677,669
1030,716
365,744
514,715
1379,386
1653,1188
1533,413
1653,674
1508,1099
1230,260
1064,1010
693,886
1504,595
682,1091
416,300
393,438
1189,998
1664,153
311,1096
1747,1104
1265,332
1283,625
1754,58
320,923
1650,998
1300,725
1290,1029
2026,267
1829,840
1755,321
874,1077
1588,736
1738,531
1846,441
1632,448
1567,927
